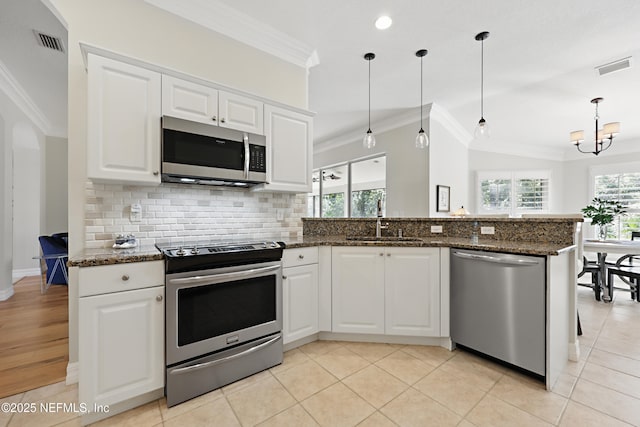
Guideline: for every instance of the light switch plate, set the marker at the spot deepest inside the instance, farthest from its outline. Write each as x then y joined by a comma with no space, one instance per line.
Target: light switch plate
136,212
436,229
487,230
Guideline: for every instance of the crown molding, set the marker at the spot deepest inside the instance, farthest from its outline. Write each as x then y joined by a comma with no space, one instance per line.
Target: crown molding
10,86
219,17
453,126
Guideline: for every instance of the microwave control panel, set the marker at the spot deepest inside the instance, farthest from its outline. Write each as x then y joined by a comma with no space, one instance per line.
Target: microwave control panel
258,158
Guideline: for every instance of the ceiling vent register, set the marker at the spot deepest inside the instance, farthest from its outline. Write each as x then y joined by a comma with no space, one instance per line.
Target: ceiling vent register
621,64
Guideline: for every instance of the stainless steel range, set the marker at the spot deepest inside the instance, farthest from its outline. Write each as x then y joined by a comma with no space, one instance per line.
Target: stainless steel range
223,314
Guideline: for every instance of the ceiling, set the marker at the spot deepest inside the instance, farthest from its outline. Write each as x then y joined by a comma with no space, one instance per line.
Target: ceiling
539,64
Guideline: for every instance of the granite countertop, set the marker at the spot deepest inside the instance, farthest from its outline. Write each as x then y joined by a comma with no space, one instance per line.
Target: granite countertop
107,256
490,245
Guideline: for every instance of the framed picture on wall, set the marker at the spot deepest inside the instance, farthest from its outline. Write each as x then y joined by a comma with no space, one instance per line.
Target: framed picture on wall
442,198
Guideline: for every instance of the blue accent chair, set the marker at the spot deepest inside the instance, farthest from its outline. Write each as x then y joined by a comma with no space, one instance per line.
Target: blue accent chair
55,254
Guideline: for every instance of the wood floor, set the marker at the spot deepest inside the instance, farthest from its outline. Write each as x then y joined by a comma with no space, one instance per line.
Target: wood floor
34,337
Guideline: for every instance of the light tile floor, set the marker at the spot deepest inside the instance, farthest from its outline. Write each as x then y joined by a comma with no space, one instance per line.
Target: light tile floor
358,384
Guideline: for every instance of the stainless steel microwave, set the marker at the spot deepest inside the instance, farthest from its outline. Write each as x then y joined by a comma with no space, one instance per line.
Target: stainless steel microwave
197,153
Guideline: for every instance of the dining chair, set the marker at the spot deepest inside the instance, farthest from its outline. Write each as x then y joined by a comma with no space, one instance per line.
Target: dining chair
592,268
626,271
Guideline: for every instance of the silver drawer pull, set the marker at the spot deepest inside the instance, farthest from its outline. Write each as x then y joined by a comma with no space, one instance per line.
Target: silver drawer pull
284,277
125,277
301,256
159,298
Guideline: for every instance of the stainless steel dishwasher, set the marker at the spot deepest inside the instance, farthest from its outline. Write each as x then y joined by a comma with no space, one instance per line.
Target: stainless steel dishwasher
498,306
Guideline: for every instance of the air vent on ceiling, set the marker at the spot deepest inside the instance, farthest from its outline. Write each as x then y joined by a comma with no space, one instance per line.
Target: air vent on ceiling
50,42
611,67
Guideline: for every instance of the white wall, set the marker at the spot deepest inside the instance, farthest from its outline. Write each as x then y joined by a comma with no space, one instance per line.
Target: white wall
449,165
26,198
486,161
55,186
407,168
6,239
17,132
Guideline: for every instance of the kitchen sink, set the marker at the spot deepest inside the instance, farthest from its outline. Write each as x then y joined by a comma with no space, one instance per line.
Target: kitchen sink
384,239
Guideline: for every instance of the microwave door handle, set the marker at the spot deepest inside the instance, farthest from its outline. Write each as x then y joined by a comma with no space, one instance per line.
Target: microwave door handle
247,155
222,277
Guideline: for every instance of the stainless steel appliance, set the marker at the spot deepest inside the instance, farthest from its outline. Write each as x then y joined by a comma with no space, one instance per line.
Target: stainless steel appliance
498,306
197,153
223,314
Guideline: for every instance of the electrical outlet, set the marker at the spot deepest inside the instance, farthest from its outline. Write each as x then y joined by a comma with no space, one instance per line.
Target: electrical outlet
436,229
487,230
135,215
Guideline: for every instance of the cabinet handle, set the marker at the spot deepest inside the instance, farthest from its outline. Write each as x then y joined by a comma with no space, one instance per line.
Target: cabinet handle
301,256
155,173
159,298
381,254
388,254
125,277
222,120
284,277
214,118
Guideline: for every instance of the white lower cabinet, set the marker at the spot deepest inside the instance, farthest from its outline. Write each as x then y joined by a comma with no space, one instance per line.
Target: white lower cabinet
390,290
300,293
121,334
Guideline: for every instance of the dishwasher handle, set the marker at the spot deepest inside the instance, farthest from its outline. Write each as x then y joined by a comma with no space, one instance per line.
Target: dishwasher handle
496,259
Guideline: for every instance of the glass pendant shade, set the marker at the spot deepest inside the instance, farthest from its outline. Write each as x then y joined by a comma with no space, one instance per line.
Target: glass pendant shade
422,141
482,130
369,141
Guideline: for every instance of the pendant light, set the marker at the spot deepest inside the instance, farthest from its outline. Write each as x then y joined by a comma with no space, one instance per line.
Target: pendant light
422,140
482,130
369,141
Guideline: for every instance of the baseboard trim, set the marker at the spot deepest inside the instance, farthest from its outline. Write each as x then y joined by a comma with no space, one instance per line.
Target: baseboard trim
5,294
24,272
72,373
574,351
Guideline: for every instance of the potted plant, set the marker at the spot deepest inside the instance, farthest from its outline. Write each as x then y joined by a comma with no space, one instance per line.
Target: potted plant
602,213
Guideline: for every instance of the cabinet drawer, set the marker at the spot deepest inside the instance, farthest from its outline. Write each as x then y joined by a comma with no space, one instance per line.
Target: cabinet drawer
299,256
104,279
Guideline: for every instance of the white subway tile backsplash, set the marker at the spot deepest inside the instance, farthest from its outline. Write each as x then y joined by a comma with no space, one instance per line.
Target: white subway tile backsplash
176,213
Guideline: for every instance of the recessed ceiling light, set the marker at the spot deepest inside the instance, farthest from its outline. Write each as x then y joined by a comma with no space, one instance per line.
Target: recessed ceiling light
383,22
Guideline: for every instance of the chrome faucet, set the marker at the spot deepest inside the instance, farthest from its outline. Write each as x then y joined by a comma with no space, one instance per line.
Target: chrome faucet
379,226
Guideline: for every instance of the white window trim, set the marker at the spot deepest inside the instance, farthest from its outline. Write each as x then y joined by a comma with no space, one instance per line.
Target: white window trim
609,169
513,176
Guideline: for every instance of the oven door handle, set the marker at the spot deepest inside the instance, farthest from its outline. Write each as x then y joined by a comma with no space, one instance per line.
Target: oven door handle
199,366
222,277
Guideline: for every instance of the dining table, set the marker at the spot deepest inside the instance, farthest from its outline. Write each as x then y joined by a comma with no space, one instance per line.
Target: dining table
604,247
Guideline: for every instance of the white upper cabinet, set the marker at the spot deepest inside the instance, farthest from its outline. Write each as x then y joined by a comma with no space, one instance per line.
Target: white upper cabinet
289,150
241,113
123,138
189,101
205,104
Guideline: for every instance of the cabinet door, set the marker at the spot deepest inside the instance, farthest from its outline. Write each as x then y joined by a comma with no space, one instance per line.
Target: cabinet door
241,113
357,290
289,150
300,294
412,291
121,345
123,119
189,101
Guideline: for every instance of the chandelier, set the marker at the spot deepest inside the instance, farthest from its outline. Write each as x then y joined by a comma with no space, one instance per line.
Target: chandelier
603,137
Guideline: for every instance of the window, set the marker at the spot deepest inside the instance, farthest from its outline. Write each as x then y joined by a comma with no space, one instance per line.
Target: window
612,184
514,193
349,190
